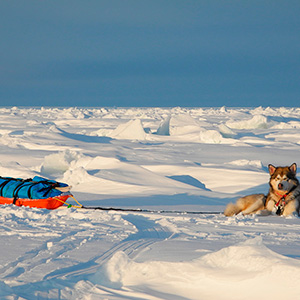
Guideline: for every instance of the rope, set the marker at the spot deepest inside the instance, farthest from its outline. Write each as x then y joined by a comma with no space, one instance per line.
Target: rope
154,211
136,209
76,201
68,204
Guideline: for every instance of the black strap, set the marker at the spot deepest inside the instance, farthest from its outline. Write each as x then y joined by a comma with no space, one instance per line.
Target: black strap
30,188
4,183
50,186
46,190
19,186
16,189
15,200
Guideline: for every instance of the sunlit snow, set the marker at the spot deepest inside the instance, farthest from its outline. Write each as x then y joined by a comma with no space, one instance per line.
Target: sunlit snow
176,159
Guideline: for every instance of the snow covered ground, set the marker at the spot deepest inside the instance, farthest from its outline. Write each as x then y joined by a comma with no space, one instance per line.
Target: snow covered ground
176,159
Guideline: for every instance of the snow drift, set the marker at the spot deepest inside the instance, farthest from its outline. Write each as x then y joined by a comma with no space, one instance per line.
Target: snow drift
178,125
187,128
133,129
257,121
226,274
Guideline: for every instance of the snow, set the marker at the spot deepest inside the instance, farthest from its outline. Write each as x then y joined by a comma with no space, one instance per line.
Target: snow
179,124
249,264
257,121
171,162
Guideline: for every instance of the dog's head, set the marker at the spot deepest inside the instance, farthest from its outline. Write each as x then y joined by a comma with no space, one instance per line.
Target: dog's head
283,179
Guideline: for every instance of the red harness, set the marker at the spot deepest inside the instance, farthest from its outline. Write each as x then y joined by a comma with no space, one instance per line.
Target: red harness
282,198
280,203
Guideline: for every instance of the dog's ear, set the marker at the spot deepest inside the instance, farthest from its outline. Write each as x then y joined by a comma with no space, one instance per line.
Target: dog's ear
271,169
293,168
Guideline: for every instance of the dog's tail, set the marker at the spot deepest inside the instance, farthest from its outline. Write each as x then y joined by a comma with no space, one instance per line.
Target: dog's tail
232,209
248,205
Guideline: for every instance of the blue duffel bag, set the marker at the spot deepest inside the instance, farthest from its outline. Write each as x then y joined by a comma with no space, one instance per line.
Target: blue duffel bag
35,188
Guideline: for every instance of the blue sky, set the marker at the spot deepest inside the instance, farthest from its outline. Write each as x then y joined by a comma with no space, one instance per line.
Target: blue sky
150,53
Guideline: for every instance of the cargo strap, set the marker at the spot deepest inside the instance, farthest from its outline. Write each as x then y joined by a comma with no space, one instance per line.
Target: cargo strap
16,189
30,185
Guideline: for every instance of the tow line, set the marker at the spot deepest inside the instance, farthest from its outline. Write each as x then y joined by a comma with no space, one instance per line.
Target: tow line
139,209
152,211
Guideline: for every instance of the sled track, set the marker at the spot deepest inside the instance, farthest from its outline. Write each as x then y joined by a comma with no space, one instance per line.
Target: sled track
27,262
148,233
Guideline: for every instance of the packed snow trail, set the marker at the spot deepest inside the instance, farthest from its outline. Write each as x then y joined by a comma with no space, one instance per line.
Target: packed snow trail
148,233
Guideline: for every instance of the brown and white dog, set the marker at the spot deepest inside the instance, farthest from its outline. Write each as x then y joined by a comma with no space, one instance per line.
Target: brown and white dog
283,197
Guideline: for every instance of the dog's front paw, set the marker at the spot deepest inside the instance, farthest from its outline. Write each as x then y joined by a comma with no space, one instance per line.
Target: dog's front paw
274,210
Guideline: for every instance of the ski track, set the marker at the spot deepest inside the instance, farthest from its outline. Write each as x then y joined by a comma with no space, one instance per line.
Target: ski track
148,234
25,271
37,256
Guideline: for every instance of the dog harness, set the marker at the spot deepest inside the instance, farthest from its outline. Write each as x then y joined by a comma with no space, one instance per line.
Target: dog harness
281,203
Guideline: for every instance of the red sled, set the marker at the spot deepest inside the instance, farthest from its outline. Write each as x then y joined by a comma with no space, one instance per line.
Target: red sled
48,203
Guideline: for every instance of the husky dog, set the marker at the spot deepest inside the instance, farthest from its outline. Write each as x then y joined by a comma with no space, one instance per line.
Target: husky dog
284,194
283,197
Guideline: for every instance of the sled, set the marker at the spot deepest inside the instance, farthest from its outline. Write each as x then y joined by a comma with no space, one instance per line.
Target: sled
48,203
37,192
